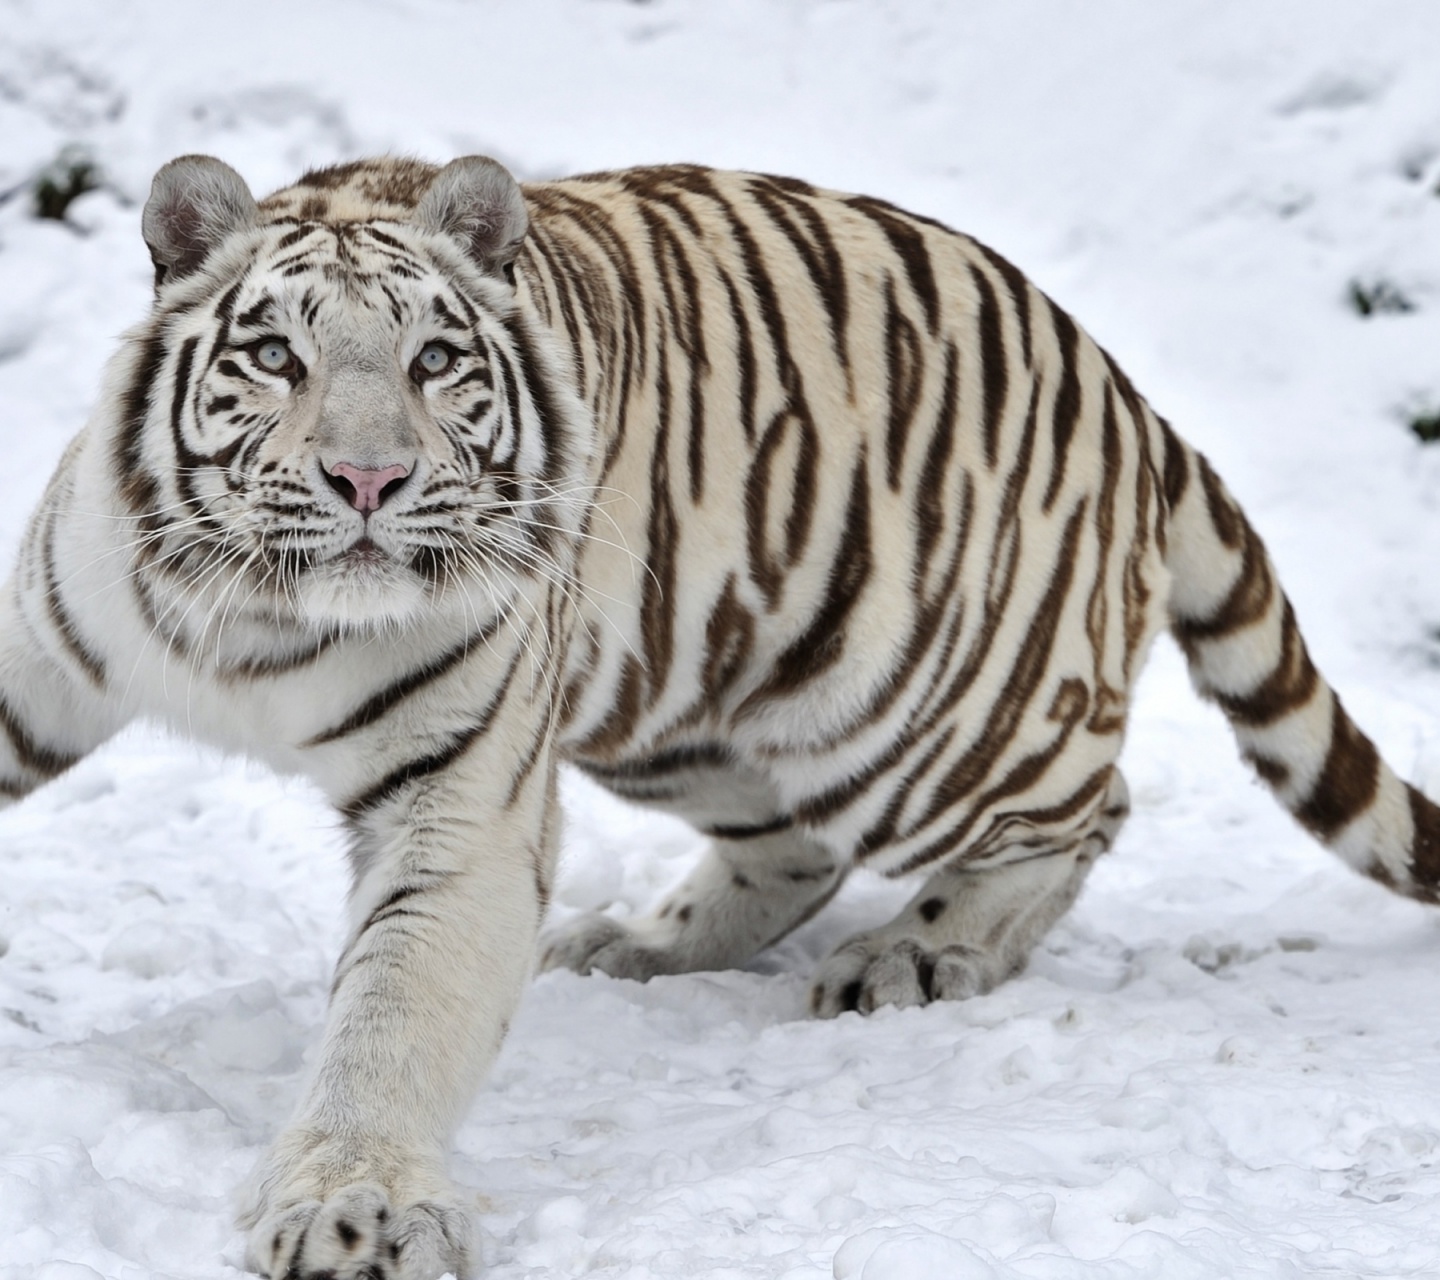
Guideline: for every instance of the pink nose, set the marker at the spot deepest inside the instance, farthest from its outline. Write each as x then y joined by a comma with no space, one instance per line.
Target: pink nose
366,490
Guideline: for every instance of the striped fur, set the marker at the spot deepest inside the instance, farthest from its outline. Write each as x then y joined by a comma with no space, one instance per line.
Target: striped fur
788,511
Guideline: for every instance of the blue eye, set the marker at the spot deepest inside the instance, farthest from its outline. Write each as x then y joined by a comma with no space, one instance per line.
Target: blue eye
434,359
273,355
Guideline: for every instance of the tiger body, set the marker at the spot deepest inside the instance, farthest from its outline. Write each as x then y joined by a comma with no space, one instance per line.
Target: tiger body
811,567
797,515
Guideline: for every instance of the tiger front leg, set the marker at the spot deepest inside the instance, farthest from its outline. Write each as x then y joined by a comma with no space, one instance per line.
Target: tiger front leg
970,927
57,699
447,901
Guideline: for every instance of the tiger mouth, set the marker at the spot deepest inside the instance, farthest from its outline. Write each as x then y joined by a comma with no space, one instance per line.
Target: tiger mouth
363,553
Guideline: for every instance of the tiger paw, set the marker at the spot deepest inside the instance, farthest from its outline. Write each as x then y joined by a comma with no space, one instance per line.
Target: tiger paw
594,941
358,1234
873,970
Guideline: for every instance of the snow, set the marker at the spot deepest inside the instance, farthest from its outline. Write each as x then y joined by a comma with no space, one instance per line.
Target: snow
1223,1063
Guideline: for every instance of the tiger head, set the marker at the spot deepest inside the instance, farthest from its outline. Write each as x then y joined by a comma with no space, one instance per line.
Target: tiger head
339,411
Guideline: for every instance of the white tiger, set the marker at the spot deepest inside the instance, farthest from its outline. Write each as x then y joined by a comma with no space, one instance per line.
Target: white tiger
895,538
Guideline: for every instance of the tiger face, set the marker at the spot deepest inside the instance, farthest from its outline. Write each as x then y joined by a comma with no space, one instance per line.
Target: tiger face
366,428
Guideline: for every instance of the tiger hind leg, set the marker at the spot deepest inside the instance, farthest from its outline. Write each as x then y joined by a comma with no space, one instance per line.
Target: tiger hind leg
747,892
969,928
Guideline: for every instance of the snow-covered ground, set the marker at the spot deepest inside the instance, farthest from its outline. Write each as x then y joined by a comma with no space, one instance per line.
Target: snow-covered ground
1224,1063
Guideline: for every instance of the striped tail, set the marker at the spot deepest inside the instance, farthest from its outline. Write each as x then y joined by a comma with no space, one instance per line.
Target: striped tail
1245,652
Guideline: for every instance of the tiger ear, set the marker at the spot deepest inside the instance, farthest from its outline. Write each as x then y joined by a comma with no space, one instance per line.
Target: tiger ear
195,203
476,201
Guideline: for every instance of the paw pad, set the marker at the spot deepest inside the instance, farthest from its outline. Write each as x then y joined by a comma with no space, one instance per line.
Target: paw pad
869,972
356,1234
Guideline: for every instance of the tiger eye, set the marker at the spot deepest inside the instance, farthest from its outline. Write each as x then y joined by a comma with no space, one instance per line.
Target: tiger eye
434,359
274,356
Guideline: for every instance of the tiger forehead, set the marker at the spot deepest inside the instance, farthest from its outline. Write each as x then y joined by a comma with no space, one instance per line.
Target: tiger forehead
350,314
388,187
360,323
312,267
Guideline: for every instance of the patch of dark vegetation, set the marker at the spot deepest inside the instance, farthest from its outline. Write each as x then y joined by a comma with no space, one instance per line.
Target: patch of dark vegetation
1430,646
1379,297
1424,424
21,1020
64,180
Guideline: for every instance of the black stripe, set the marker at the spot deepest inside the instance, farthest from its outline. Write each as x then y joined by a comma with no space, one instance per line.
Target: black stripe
480,373
1291,684
225,308
751,831
908,242
253,317
683,314
391,906
929,498
991,744
279,664
1067,401
446,316
385,238
502,361
817,251
998,833
1176,469
1000,579
538,250
542,887
295,236
145,602
46,761
1251,598
1019,294
744,357
762,287
946,688
822,642
657,593
188,461
703,755
766,568
994,375
182,387
230,369
1348,781
374,708
593,223
527,764
542,395
1425,846
60,617
137,488
425,766
904,380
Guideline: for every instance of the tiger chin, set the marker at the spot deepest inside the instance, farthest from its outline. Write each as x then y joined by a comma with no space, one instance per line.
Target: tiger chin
787,511
360,588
